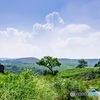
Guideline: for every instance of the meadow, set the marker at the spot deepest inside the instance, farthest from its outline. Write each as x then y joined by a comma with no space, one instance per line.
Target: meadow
29,85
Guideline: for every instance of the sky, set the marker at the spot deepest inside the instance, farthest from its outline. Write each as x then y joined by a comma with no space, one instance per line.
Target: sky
58,28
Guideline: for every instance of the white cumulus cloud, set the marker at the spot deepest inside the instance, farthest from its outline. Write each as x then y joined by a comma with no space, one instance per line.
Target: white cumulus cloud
54,37
53,20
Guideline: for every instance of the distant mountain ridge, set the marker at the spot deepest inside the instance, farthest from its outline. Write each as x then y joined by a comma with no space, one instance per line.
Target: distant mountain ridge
65,61
20,60
90,62
15,64
28,60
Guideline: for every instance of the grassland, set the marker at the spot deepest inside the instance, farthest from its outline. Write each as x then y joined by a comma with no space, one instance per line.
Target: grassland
29,85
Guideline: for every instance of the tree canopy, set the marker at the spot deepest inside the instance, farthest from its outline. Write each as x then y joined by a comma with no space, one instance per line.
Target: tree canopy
49,62
97,64
81,63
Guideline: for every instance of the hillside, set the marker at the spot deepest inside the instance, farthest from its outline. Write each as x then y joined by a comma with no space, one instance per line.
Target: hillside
67,61
72,63
31,86
30,62
20,60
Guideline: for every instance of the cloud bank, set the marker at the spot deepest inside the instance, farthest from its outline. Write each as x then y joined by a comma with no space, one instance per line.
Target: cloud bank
54,37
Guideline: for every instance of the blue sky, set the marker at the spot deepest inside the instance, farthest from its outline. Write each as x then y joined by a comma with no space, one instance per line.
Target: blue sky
24,13
60,28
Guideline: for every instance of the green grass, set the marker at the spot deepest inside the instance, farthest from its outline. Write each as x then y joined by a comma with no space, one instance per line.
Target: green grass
76,71
25,86
31,86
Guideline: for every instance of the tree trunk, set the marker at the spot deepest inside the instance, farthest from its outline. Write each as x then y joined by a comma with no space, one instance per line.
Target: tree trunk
51,71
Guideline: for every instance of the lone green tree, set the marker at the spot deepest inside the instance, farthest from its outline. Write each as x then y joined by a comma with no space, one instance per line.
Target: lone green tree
49,62
97,64
81,63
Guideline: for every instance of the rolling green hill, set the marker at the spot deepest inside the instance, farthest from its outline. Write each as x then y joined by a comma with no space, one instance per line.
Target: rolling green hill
31,86
30,62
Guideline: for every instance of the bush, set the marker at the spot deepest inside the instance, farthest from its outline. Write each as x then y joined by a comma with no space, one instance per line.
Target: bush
46,72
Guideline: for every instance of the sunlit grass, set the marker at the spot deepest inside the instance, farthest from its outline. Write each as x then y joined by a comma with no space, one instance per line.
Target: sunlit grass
31,86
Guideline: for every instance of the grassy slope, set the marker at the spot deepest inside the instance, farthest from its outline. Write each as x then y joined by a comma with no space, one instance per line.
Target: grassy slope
30,86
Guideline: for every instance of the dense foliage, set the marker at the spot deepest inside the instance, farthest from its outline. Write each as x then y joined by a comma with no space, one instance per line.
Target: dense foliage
29,85
97,64
49,62
1,68
81,63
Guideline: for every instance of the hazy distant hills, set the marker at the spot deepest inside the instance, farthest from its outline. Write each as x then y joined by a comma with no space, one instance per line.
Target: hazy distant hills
30,62
68,61
20,60
16,64
74,62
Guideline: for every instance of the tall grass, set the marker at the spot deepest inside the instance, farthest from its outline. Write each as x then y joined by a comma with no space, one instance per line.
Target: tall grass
29,85
24,86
